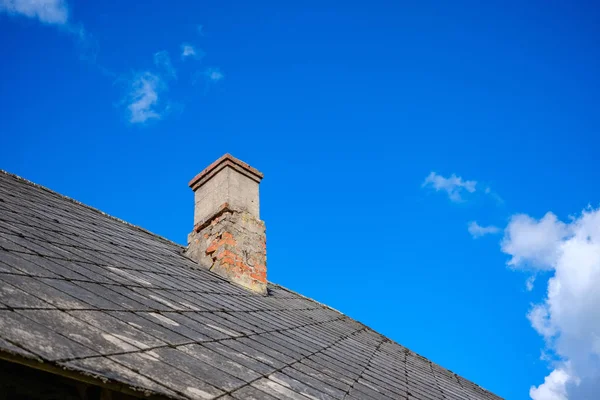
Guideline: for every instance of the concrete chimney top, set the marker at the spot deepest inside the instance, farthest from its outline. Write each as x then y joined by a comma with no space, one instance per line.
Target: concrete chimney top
227,182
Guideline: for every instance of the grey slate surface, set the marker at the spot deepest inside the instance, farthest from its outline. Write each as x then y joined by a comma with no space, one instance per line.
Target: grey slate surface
95,296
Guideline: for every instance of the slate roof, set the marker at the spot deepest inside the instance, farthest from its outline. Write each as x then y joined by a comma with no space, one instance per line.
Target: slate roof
89,296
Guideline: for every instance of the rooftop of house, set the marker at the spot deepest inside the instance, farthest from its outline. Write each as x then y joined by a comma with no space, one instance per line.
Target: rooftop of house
93,298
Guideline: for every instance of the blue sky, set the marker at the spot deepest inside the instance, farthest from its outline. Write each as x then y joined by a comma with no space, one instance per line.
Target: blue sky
348,108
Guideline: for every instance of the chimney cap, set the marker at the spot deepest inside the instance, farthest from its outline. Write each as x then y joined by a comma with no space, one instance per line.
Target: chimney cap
226,160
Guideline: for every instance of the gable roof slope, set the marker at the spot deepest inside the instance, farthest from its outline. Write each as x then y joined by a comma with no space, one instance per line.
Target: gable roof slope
88,296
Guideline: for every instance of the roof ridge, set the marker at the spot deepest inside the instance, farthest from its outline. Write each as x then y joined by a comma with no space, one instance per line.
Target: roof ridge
37,185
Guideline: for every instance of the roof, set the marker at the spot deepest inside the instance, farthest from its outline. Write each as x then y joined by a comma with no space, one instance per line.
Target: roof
89,296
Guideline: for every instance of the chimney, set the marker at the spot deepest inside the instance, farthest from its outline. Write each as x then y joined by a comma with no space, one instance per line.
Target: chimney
228,237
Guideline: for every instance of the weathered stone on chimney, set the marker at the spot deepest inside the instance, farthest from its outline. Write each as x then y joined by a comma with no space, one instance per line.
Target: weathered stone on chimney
228,237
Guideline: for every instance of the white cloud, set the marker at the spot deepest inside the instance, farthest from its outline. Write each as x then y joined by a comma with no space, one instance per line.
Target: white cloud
533,243
539,317
214,74
529,283
56,13
478,231
162,60
453,186
46,11
143,100
553,388
568,318
187,50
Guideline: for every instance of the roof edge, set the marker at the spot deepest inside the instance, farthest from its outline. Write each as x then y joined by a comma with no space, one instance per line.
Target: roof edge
81,375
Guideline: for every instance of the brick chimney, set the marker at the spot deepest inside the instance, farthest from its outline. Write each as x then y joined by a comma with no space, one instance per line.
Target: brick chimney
228,237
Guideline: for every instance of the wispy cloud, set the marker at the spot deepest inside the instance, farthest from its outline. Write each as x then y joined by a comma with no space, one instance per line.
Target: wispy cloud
454,185
568,318
478,231
529,283
162,60
143,98
494,195
88,46
53,12
145,94
189,51
214,74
